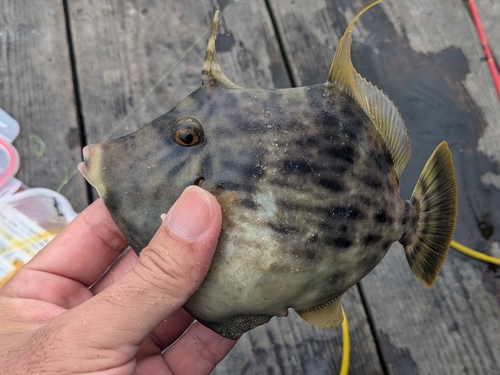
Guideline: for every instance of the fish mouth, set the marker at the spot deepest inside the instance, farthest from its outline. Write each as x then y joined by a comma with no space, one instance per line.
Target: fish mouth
199,181
91,169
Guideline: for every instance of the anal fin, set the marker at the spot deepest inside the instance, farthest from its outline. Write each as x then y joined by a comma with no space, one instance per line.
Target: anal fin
325,316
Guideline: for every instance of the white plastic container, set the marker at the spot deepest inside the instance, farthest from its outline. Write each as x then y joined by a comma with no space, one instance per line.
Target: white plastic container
28,221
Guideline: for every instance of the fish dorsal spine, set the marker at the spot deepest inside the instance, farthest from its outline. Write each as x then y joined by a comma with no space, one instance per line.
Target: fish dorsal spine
377,106
211,71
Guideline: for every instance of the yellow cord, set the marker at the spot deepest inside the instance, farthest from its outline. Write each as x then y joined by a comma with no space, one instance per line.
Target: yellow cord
346,346
474,254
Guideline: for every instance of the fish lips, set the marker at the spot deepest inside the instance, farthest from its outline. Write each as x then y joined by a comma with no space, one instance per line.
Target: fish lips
90,167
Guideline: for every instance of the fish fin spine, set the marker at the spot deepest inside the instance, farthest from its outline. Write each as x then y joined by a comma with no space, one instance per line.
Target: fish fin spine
377,106
211,71
325,316
436,193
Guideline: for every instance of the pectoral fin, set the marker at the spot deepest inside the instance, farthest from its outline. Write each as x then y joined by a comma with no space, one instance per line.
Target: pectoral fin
325,316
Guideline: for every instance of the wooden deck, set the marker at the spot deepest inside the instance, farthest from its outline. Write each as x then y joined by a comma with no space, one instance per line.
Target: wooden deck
77,72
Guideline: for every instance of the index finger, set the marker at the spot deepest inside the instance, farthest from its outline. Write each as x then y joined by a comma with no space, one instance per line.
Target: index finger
84,249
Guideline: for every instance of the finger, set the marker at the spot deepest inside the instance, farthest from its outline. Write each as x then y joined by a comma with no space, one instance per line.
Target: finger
198,351
165,334
84,249
172,328
166,274
124,264
61,272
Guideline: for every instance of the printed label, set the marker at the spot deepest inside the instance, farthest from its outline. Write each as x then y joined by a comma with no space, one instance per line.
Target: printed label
20,239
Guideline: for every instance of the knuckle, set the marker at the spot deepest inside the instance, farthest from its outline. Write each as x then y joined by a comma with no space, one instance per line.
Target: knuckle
165,267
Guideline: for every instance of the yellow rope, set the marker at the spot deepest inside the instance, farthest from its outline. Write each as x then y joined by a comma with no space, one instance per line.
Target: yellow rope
346,346
474,254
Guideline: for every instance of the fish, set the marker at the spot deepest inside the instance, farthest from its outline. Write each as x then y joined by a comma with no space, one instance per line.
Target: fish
308,181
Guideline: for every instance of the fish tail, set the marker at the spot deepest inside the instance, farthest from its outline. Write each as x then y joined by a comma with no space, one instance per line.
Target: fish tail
436,194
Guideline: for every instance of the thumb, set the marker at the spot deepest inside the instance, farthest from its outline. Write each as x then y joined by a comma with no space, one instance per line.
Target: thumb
167,273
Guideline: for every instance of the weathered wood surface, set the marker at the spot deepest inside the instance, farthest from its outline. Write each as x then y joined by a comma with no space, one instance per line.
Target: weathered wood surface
423,54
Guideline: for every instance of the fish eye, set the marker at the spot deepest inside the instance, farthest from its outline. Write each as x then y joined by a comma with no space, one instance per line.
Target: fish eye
187,132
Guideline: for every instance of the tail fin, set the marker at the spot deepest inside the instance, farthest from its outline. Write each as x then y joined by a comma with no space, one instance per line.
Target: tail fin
436,190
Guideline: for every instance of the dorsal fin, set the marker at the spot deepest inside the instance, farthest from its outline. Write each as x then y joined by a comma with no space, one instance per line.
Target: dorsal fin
211,71
378,107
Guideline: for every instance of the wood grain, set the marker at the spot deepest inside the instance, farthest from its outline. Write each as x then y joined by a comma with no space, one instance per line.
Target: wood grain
36,88
423,54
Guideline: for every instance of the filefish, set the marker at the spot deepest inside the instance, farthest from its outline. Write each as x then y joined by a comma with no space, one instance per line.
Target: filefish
308,179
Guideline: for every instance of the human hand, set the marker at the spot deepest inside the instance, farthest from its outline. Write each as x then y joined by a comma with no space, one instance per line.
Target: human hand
52,322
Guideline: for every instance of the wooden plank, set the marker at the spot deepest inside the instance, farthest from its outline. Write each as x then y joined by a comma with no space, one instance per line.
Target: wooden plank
36,88
122,51
423,54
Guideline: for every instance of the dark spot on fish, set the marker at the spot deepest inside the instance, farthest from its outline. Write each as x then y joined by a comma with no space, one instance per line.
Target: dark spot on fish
281,228
382,217
249,188
339,168
286,204
248,203
176,168
328,119
348,112
275,97
306,253
342,242
363,200
335,278
326,226
352,121
200,97
294,101
351,212
386,245
230,100
331,185
350,128
372,182
207,164
243,169
344,153
370,239
406,212
369,261
297,166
